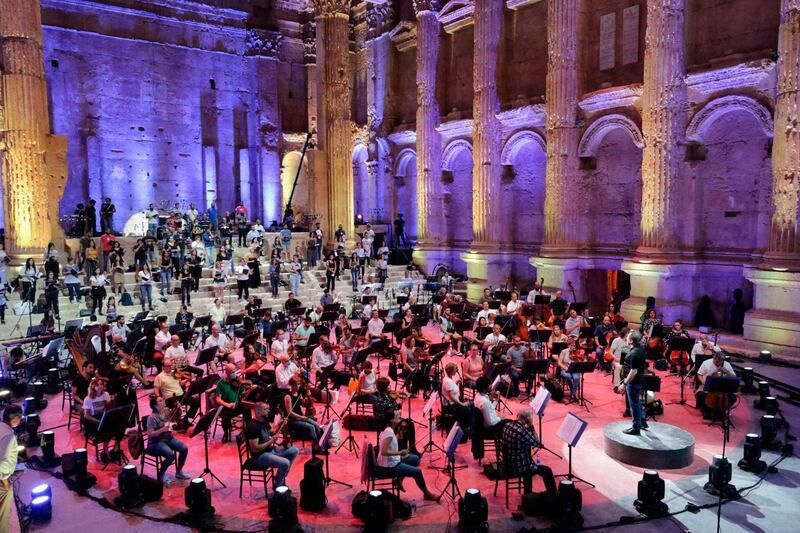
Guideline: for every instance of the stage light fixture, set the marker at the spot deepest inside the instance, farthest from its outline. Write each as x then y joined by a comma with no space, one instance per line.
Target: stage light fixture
198,500
763,392
282,511
765,355
769,433
751,462
5,396
473,512
73,465
569,503
771,405
719,479
48,445
53,381
28,405
650,495
38,395
32,424
41,509
130,488
376,514
41,490
748,380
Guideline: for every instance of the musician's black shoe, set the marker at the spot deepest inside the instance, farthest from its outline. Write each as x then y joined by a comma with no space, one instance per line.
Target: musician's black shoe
627,413
226,438
645,426
114,455
104,457
631,431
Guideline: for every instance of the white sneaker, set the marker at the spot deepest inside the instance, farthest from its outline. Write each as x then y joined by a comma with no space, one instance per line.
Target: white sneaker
166,481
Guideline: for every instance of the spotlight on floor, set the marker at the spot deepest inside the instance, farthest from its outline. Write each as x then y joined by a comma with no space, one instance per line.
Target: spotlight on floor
32,424
748,381
73,466
38,395
650,495
473,512
569,503
41,509
48,444
28,405
763,392
765,355
376,512
771,405
130,488
41,490
53,381
769,433
5,396
198,500
719,479
282,511
751,462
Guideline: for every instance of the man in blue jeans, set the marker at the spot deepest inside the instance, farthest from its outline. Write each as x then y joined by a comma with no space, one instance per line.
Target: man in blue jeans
262,445
393,462
632,384
161,441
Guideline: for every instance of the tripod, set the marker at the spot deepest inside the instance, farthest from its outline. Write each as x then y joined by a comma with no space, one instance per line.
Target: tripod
408,403
451,489
541,441
350,442
684,374
204,424
207,469
430,446
569,475
328,479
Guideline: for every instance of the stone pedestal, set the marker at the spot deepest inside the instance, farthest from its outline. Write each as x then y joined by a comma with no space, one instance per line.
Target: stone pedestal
774,322
671,284
557,273
493,268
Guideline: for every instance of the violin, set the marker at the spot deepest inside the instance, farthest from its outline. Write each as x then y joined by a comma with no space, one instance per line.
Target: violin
607,355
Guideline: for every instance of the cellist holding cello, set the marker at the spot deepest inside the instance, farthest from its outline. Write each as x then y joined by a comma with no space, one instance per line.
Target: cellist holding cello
716,366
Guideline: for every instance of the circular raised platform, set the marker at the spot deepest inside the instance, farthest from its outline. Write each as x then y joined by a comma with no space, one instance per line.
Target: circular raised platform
662,446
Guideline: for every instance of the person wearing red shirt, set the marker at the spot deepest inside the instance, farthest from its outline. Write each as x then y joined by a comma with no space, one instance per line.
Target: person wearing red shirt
107,241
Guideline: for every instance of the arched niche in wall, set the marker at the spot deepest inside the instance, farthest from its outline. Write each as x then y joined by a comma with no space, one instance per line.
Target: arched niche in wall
404,198
456,194
301,201
524,160
360,181
611,154
734,176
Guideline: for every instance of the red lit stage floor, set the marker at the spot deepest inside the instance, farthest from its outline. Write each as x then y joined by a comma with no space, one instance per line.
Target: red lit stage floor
613,497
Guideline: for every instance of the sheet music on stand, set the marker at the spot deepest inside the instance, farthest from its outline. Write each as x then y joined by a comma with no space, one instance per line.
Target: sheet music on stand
452,440
540,401
571,430
434,397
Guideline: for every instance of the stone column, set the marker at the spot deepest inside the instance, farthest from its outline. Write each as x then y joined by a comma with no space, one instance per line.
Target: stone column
563,135
333,47
30,201
429,143
656,270
774,321
663,123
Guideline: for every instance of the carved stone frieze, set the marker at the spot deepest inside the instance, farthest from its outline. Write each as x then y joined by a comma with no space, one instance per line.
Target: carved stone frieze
426,5
379,18
263,43
331,7
404,35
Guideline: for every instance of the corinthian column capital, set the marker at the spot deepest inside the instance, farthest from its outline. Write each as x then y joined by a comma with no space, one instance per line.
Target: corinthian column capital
331,7
425,5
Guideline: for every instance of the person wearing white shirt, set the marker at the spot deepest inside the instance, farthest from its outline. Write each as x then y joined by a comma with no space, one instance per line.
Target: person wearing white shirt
176,355
619,347
484,312
220,340
494,338
243,278
162,337
284,372
12,415
375,327
393,462
702,345
279,344
152,220
537,290
119,331
451,397
192,214
716,366
513,305
323,355
483,403
217,312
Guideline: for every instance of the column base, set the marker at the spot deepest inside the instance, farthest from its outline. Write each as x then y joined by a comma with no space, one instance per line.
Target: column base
493,268
774,323
558,273
428,256
670,284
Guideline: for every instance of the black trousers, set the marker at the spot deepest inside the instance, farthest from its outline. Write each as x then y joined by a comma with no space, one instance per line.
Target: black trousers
547,477
243,287
226,415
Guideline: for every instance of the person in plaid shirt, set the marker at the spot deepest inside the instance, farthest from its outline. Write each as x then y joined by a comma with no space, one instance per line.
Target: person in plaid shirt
517,439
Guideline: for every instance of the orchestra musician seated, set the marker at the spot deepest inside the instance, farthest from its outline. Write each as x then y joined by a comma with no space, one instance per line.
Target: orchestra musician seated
518,438
96,403
574,323
221,341
703,346
484,402
716,366
262,445
229,396
176,355
80,384
393,462
484,312
558,308
494,338
161,441
299,423
375,327
451,399
280,345
168,387
472,367
486,297
129,365
303,332
285,370
448,331
619,348
570,355
366,384
557,336
516,355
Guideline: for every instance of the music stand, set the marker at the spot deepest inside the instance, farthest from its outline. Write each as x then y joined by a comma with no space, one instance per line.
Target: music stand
402,300
494,305
390,329
502,295
582,368
323,443
327,308
450,445
427,411
420,321
350,442
325,376
570,431
482,332
419,310
205,356
723,385
537,367
494,373
540,336
203,425
138,317
359,357
538,404
540,300
329,316
650,382
115,422
185,335
202,321
578,307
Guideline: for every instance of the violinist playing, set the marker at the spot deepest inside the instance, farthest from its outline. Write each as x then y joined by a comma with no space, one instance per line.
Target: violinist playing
230,390
676,358
299,422
262,444
568,356
604,333
176,354
716,366
516,355
168,387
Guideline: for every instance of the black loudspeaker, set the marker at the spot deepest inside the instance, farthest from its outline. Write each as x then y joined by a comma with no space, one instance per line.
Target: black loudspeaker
152,488
312,486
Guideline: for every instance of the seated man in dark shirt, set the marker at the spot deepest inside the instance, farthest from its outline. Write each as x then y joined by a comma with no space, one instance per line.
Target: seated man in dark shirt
80,385
262,445
518,438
